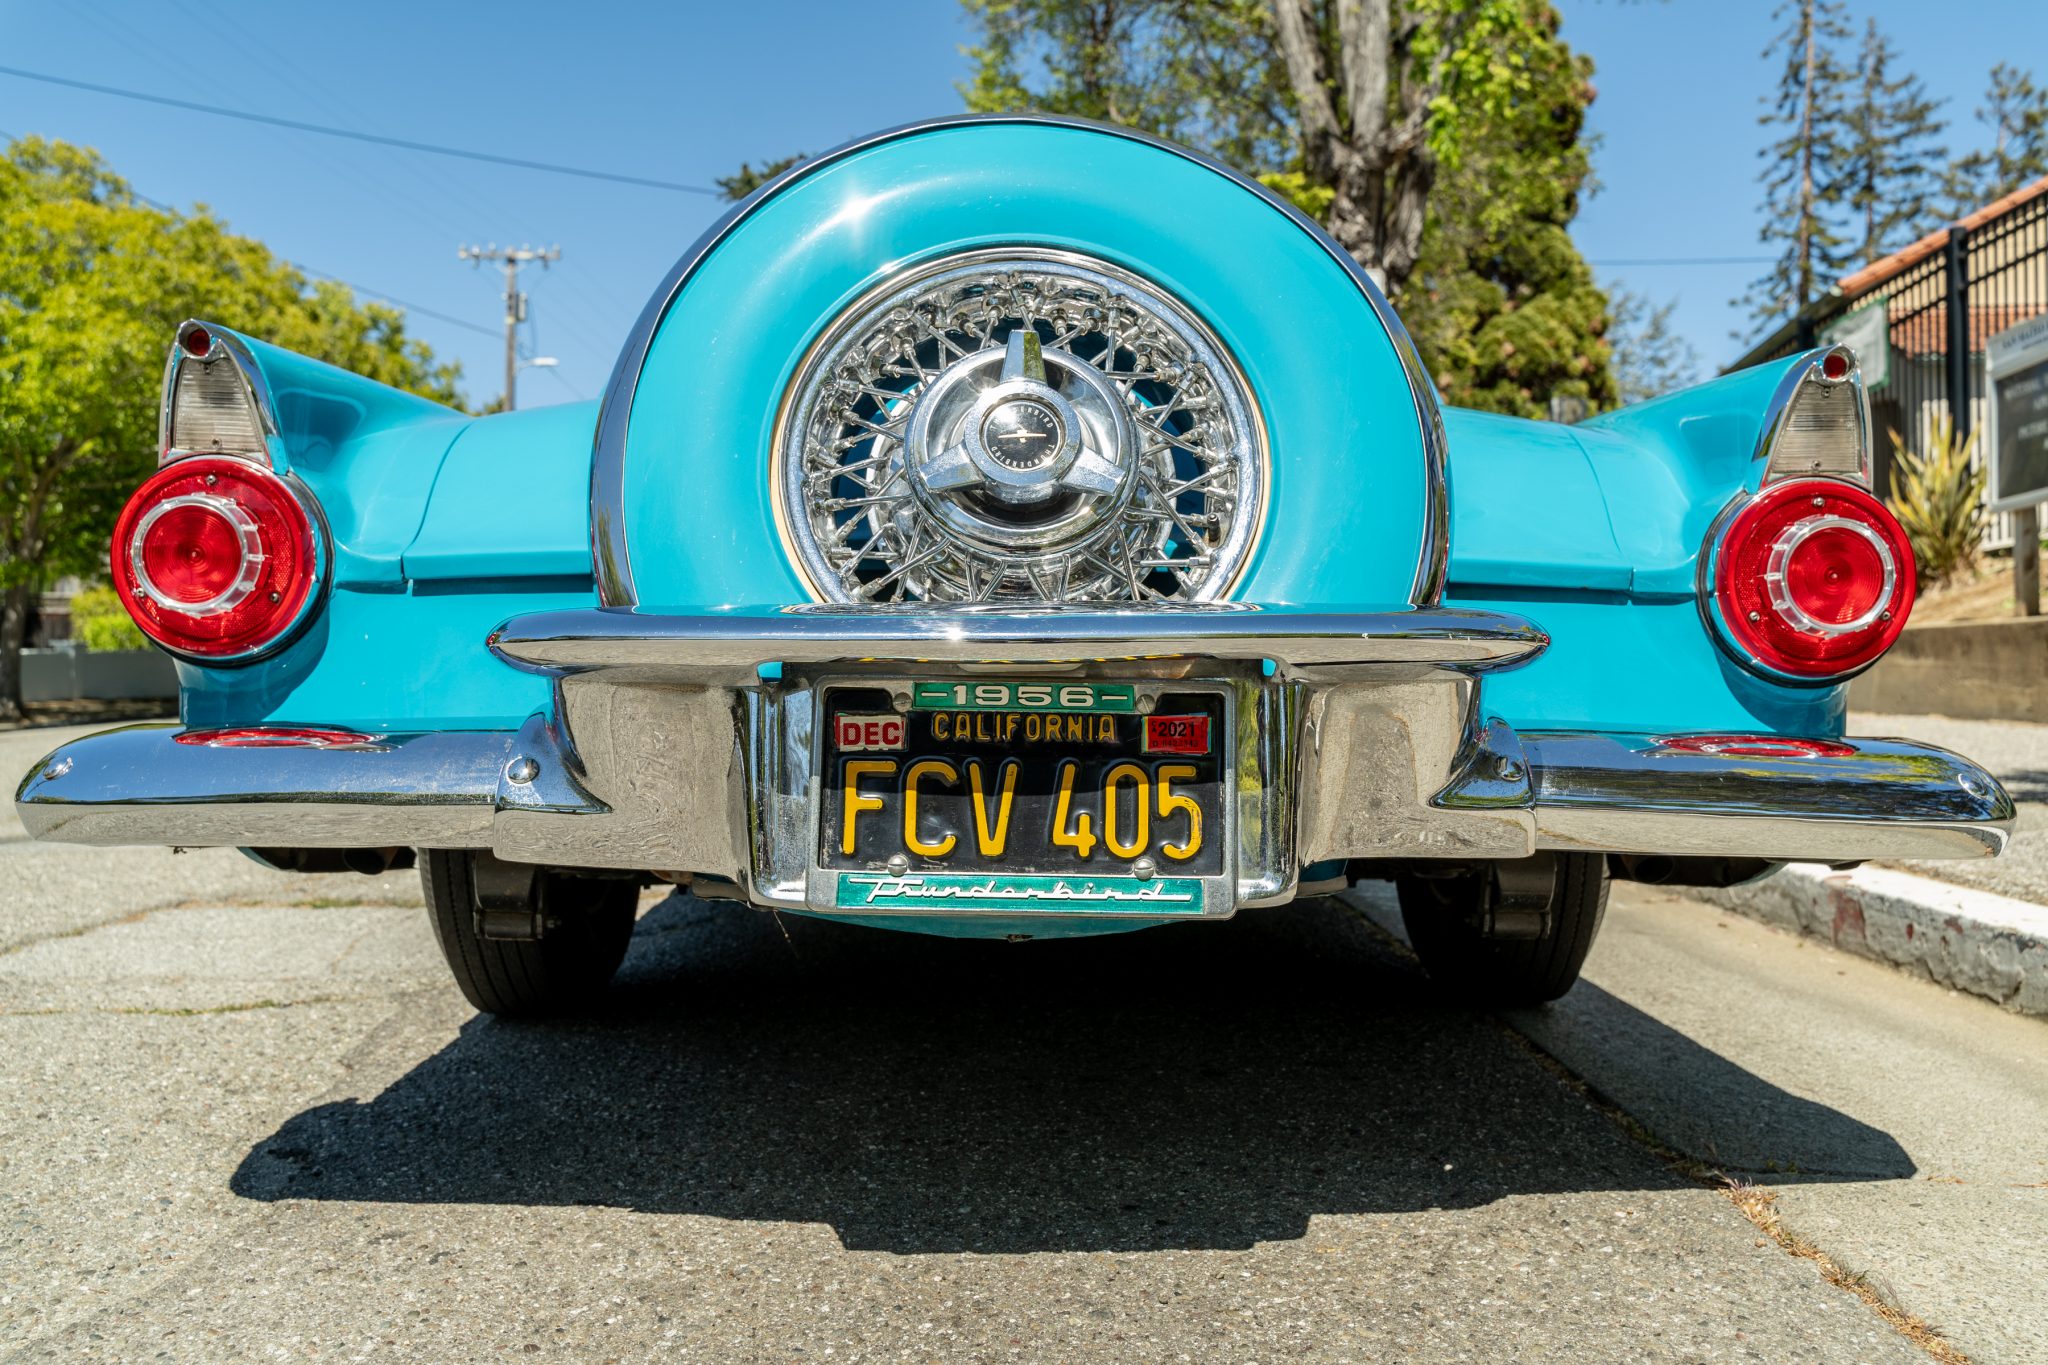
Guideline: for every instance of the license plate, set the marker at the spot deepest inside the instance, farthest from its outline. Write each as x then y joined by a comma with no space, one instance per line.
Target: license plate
1023,797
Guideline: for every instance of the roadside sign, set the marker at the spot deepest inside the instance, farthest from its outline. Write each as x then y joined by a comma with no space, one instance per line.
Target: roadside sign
1867,332
2016,362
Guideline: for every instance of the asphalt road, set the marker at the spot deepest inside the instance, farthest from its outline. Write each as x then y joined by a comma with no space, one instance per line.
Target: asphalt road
244,1115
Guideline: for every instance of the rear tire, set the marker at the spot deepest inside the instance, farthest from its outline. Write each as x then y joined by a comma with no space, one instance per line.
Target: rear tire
1442,918
563,971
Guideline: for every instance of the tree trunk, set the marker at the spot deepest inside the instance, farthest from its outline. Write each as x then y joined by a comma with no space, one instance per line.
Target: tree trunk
1406,216
13,629
1380,176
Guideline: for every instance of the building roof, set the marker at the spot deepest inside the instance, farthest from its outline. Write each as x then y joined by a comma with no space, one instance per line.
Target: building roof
1921,333
1925,331
1899,262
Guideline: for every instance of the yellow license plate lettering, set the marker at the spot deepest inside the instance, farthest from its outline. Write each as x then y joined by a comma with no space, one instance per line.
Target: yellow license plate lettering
1081,838
918,771
1141,823
853,801
1172,802
992,836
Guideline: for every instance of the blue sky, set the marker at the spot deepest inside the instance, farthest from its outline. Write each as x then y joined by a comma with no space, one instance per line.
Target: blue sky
687,91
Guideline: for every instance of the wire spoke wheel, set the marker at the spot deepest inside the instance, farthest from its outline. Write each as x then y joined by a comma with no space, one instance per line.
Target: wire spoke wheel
1019,426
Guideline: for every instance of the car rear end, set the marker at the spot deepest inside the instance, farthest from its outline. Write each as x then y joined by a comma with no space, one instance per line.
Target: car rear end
1019,529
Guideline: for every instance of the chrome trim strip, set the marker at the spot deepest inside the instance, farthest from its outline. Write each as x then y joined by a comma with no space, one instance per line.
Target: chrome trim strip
1889,799
729,647
609,550
1433,567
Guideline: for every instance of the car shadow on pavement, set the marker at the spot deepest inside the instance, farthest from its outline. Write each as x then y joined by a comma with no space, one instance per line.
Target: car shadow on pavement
1203,1086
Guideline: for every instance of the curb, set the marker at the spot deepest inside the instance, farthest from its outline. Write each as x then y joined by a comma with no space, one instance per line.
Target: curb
1975,941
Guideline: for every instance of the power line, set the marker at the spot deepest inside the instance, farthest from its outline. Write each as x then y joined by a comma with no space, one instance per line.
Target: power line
1689,260
311,273
397,178
375,294
297,125
574,392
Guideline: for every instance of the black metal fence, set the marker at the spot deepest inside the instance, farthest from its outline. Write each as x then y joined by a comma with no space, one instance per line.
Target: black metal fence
1941,299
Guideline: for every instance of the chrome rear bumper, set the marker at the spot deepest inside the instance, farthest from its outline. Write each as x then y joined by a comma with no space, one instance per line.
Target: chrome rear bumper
1359,736
729,647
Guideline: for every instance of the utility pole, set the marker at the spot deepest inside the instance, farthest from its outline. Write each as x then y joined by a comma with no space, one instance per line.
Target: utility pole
511,257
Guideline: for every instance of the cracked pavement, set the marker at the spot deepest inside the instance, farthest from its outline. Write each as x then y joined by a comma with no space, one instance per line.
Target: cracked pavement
244,1114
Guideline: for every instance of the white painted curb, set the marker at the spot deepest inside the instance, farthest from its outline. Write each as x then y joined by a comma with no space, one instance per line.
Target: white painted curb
1975,941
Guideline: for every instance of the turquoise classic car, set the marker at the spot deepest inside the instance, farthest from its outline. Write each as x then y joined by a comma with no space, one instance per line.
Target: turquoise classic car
1020,528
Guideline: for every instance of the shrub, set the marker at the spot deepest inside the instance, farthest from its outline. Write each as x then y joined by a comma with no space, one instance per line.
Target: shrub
1939,499
99,621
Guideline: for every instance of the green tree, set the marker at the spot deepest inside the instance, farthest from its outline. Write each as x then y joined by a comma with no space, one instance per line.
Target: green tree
746,179
92,284
1201,72
1804,176
1439,140
99,621
1502,306
1891,149
2017,110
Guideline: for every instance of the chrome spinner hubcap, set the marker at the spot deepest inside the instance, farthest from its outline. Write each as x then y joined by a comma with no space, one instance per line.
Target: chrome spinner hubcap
1019,456
1015,425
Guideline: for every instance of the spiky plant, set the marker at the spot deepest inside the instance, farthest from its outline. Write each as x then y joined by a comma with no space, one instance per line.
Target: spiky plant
1938,497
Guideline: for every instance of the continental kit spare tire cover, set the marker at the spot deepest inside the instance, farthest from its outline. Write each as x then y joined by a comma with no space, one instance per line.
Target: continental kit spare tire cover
1347,505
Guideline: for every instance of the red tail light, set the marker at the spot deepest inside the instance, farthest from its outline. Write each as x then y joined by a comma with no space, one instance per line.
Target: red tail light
276,737
1742,746
1812,579
216,558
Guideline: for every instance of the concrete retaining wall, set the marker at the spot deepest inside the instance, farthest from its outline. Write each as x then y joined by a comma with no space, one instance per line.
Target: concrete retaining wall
1975,670
86,675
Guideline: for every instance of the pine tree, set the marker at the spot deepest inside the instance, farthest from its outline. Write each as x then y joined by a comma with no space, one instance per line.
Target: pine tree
1650,358
746,179
1803,169
2017,110
1892,151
